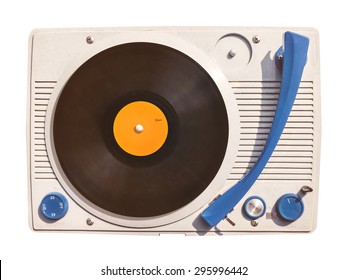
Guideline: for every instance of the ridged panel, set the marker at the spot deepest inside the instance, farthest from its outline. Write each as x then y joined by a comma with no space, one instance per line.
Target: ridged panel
293,156
41,96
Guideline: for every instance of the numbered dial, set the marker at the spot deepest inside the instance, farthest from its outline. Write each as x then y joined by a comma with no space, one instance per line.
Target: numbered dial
254,207
54,206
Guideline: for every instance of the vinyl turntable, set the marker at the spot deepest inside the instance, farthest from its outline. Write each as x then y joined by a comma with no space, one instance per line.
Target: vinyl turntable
191,130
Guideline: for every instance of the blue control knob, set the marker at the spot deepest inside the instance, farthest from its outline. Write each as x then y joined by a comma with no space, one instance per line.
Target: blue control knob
290,207
54,206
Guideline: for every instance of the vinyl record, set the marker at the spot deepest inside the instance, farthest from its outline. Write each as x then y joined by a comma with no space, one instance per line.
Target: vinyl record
107,106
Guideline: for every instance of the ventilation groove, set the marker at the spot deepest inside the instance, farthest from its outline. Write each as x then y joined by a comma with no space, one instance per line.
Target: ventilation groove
42,94
293,156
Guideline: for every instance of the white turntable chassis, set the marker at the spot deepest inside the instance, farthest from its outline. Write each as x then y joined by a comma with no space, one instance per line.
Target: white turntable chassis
249,82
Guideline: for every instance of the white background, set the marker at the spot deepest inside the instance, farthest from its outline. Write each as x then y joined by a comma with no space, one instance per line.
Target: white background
29,255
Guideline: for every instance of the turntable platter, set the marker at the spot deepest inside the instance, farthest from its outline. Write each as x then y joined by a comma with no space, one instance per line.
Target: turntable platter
111,174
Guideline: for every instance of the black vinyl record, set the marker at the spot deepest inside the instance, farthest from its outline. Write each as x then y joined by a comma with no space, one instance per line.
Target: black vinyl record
140,186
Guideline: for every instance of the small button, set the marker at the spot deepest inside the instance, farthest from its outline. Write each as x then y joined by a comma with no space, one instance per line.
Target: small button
54,206
290,207
254,207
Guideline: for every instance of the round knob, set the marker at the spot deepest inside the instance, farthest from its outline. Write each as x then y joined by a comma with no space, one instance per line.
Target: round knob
54,206
290,207
254,207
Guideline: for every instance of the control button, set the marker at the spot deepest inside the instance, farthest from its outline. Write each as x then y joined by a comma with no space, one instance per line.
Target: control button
254,207
290,207
54,206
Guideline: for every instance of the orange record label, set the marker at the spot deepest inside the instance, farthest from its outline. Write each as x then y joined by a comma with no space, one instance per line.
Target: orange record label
140,128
